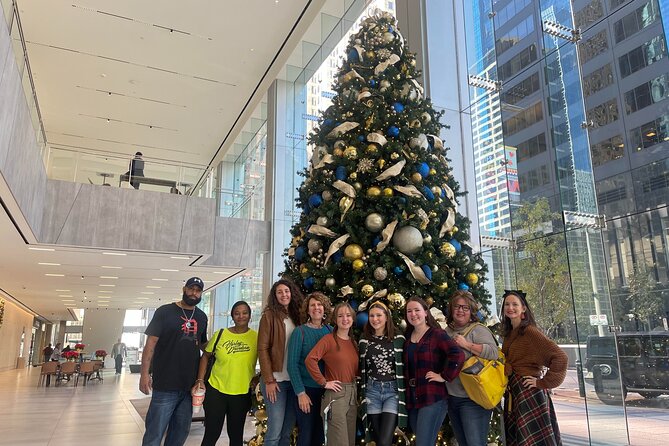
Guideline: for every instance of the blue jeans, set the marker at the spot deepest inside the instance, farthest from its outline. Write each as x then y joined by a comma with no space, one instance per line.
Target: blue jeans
426,422
310,425
470,421
170,410
382,396
280,414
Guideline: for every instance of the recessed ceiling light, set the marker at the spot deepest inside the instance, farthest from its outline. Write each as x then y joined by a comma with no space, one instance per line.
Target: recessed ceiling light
147,292
114,253
48,264
106,284
180,257
108,277
169,270
68,300
55,275
64,295
142,298
160,280
103,305
103,291
62,291
220,272
41,249
153,287
104,297
111,267
252,50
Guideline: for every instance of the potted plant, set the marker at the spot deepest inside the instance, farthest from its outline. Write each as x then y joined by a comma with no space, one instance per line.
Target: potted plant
79,347
100,354
71,355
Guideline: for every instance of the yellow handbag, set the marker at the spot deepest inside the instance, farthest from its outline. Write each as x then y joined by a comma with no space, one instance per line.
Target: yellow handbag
484,379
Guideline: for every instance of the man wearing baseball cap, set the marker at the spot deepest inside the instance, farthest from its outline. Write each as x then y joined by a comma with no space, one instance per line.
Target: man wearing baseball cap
176,334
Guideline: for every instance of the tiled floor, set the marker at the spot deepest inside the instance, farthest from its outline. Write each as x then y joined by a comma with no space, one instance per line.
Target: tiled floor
98,414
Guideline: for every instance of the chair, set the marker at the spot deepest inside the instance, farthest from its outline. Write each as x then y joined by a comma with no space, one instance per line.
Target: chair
98,366
48,369
86,369
67,371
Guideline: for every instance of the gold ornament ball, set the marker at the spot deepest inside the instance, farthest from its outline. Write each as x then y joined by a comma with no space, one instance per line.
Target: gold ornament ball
429,301
447,249
338,152
433,171
261,415
416,177
373,192
381,163
357,186
358,265
455,229
394,155
353,252
388,192
370,54
367,290
330,282
345,204
371,148
396,300
436,190
353,175
414,124
303,269
472,279
443,286
351,153
252,442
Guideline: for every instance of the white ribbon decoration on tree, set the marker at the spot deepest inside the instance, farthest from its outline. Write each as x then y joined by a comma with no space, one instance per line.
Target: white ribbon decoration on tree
345,291
439,317
361,52
409,191
342,128
334,247
449,193
392,171
416,271
379,294
321,230
438,143
448,224
377,138
386,234
327,159
344,187
392,60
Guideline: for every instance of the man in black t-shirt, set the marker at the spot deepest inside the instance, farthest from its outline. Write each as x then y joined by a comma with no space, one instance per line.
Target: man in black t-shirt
176,334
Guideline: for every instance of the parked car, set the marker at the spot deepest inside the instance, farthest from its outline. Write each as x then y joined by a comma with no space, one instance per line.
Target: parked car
644,363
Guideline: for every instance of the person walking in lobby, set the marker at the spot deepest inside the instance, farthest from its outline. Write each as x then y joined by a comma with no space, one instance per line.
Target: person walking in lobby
176,334
534,364
279,319
227,392
119,352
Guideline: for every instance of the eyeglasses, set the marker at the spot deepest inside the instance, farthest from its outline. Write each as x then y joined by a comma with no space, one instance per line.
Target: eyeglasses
462,307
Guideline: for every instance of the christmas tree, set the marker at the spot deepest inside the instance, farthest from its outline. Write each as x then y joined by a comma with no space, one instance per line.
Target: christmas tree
379,200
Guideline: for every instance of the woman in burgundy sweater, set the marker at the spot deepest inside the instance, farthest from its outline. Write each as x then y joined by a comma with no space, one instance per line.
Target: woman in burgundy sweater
339,352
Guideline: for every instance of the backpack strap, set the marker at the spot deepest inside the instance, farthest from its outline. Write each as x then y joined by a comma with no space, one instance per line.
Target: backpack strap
218,338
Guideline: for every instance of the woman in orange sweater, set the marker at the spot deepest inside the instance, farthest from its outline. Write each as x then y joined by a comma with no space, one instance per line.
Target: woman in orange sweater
339,353
529,417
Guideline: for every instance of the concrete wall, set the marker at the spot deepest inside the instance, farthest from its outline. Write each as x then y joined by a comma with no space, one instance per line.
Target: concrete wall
21,167
16,322
102,327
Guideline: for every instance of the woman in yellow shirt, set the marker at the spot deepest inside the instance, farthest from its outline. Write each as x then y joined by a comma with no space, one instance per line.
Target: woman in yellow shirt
227,391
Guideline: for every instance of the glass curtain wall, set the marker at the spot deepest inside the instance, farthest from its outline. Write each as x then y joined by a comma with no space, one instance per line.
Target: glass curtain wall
559,90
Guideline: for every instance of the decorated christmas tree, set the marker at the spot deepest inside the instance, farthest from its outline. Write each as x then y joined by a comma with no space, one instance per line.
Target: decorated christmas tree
380,213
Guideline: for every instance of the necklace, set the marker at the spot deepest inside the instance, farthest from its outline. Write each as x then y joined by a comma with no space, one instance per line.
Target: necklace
188,319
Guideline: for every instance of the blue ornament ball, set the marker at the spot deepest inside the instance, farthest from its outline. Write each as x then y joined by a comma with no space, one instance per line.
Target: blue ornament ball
376,241
340,173
398,270
337,256
328,122
399,108
353,55
354,304
361,138
390,29
402,200
423,169
393,131
427,271
463,286
456,244
315,200
372,82
427,192
361,319
300,252
309,282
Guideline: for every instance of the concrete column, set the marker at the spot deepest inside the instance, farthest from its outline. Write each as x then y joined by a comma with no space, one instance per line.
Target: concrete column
102,327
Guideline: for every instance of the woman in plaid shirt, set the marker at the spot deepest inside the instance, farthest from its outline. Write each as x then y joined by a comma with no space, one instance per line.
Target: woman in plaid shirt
431,358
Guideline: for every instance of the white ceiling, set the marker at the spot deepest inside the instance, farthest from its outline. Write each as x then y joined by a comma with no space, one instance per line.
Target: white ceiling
176,80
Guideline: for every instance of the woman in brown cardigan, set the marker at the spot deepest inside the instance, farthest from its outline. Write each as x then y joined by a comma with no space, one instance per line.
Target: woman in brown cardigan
534,364
278,321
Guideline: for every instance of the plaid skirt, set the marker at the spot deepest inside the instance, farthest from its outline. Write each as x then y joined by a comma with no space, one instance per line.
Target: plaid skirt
529,417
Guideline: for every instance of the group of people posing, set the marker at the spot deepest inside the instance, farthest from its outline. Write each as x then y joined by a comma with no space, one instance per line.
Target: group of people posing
310,363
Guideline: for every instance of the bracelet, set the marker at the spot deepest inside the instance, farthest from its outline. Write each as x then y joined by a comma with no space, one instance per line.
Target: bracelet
202,380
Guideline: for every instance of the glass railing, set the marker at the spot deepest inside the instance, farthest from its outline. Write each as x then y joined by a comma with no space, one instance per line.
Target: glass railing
108,169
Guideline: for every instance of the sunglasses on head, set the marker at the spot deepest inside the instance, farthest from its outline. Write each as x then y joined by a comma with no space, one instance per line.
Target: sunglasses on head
519,293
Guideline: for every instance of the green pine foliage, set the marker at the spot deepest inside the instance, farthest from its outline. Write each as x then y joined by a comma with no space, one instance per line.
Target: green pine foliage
379,118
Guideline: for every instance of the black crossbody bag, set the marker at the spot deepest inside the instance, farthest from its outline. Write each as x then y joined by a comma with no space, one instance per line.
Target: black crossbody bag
212,358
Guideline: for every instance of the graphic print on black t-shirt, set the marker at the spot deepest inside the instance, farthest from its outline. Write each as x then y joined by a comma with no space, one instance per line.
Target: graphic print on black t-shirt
189,328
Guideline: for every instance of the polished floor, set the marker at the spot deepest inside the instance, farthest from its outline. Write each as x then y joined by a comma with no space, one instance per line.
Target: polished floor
97,414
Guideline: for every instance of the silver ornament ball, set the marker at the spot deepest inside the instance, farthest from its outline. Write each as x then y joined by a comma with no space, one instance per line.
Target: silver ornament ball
380,273
322,221
330,282
408,240
374,222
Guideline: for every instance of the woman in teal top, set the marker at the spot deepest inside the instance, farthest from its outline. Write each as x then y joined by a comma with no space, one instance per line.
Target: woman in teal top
315,311
227,391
